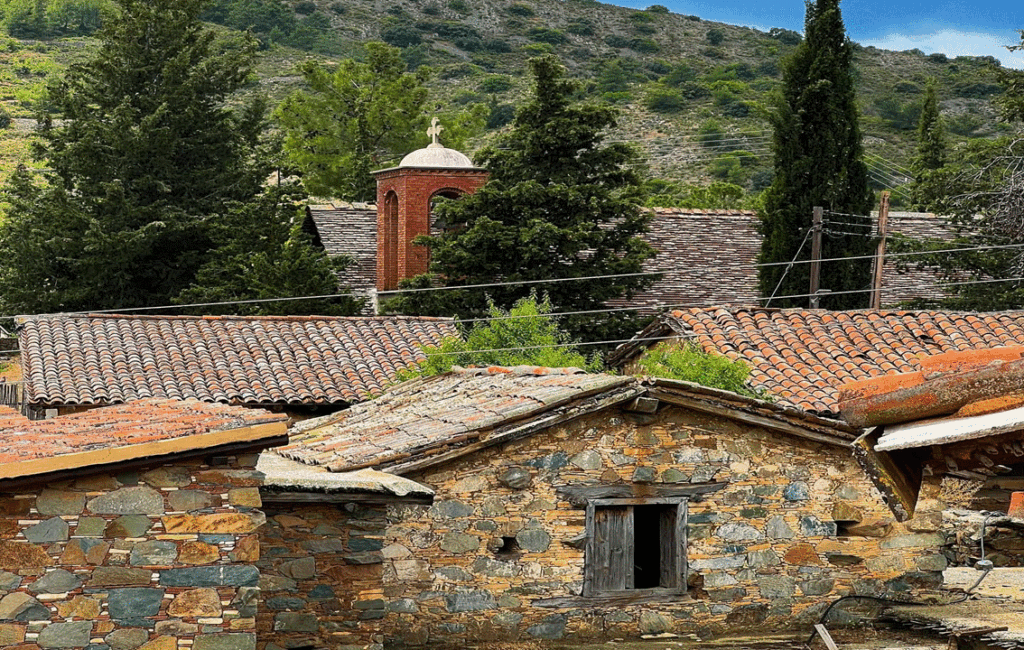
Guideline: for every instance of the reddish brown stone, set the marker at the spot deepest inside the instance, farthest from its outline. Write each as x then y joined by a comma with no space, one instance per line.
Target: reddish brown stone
79,607
198,553
247,549
802,555
11,633
220,523
195,603
15,507
8,528
22,555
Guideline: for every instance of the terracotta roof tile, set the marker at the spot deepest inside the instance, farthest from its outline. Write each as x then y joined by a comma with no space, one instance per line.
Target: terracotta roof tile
103,359
115,427
804,356
416,417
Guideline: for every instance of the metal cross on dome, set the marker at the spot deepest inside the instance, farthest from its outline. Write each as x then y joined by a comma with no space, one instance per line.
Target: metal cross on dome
434,131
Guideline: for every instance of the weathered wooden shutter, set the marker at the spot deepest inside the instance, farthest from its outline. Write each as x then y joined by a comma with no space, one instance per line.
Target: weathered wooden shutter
668,547
612,544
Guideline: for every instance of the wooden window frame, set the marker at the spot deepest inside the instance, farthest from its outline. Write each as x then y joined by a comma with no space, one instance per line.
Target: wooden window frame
679,547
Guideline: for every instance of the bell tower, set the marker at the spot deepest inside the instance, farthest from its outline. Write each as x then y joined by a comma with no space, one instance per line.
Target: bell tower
404,195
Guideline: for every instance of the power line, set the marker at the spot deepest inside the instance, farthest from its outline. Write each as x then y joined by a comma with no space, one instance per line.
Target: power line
524,282
790,265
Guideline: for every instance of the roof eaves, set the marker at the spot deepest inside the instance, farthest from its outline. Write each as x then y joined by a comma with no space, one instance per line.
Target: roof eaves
777,417
154,449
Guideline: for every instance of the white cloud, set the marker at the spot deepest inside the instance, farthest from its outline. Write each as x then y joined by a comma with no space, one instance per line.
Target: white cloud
954,43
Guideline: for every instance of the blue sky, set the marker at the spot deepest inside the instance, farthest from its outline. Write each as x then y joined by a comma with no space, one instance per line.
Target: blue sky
953,27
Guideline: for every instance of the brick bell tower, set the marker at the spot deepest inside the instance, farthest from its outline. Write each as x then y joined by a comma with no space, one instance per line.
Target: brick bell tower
404,196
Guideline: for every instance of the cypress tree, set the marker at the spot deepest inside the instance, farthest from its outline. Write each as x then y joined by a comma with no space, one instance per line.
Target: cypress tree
931,145
817,145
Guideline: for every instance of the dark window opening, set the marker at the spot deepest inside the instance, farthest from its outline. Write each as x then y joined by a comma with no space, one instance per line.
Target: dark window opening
635,544
647,547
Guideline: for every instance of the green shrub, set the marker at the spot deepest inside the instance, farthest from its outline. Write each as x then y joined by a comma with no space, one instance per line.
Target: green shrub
977,90
715,36
432,9
498,83
338,8
688,362
496,45
641,17
538,49
645,29
657,9
659,67
547,35
520,9
580,27
5,118
401,35
614,40
459,6
664,100
644,45
526,335
938,57
305,7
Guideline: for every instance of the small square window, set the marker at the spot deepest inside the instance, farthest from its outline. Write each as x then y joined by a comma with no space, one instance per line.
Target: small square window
635,544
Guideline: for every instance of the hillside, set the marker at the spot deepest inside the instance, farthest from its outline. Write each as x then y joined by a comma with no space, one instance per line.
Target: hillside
692,92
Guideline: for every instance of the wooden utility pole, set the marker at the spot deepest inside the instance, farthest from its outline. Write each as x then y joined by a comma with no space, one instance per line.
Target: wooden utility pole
883,231
816,255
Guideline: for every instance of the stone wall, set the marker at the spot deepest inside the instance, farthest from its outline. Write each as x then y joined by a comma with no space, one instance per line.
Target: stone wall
321,576
158,558
797,526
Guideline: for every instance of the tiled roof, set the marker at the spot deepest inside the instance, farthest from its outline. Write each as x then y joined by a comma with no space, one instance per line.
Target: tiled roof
288,360
708,256
126,431
348,229
423,417
801,357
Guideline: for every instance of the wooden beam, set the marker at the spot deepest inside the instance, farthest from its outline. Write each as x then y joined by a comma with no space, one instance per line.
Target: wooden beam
581,495
899,486
282,498
749,418
229,449
826,638
619,599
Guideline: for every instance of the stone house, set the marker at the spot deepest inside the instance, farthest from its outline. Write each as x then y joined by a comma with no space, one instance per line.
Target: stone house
132,526
576,506
303,365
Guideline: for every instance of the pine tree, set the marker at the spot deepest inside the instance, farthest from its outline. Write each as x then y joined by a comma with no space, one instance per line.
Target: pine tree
559,204
817,144
144,156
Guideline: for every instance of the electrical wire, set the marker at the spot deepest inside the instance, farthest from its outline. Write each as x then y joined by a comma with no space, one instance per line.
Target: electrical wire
790,265
126,310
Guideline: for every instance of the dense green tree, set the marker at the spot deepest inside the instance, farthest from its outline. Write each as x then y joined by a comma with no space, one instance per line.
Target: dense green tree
261,254
931,144
353,120
981,191
144,156
817,145
560,203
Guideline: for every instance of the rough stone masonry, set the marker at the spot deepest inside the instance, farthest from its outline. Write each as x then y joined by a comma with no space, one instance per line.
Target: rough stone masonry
159,558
